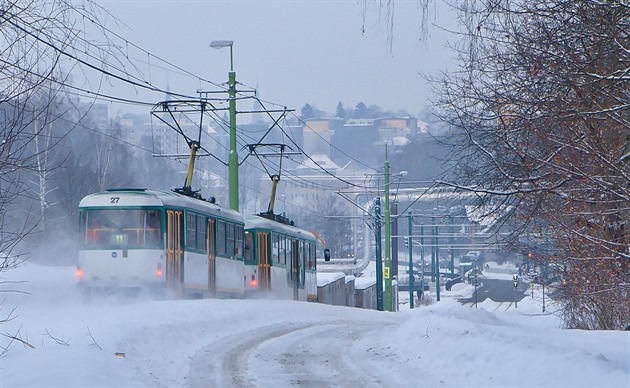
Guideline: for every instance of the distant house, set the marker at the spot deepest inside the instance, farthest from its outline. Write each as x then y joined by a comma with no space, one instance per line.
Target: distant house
364,138
311,177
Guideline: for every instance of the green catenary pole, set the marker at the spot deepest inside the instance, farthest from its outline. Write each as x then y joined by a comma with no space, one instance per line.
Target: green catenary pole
422,256
233,157
451,242
389,306
432,240
411,279
379,260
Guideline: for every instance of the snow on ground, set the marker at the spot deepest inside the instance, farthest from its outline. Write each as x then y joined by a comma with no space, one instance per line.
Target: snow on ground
146,343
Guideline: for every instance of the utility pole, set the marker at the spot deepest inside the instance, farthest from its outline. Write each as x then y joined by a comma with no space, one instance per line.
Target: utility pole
475,275
389,306
379,260
233,156
422,257
450,242
410,247
432,239
394,232
542,277
515,281
437,262
435,258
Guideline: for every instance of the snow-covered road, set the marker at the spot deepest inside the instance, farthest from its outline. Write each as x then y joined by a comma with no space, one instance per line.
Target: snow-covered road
262,343
295,354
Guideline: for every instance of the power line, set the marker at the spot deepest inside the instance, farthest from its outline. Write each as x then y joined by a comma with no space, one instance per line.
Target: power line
130,79
332,145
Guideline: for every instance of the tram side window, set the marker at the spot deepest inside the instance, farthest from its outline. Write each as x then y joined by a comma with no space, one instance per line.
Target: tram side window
238,240
303,262
249,246
230,239
152,228
290,250
276,248
221,238
202,227
312,262
304,253
83,223
283,250
191,230
290,246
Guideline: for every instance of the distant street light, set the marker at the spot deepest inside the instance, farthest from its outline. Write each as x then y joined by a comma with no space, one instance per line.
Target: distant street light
217,44
389,297
515,279
476,284
233,156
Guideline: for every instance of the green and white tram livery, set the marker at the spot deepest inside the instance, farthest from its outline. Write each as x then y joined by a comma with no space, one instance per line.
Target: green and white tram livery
280,259
137,238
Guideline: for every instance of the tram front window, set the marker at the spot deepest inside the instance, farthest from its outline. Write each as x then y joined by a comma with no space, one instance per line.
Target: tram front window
129,228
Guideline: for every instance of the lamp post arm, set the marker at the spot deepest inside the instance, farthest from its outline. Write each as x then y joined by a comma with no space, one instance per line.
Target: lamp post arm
231,59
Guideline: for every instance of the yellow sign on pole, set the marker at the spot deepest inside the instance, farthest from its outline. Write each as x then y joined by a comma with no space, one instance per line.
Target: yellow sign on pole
386,272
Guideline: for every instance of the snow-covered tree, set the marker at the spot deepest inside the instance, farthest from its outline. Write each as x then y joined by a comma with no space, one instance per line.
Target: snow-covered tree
540,108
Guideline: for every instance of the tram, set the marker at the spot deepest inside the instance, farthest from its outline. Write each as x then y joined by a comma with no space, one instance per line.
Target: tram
280,259
133,239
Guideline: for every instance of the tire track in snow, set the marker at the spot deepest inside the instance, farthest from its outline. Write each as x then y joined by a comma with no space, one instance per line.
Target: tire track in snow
292,354
225,363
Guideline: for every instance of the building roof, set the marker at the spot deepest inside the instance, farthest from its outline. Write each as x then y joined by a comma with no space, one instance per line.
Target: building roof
322,161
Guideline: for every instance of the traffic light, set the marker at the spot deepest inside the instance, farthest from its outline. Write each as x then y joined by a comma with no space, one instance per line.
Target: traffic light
515,280
406,241
530,255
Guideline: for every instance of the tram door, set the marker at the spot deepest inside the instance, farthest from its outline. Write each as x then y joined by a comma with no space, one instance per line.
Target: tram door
212,262
174,254
264,267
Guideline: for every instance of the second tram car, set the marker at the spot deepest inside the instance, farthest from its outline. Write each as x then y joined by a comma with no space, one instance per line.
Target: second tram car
280,259
138,238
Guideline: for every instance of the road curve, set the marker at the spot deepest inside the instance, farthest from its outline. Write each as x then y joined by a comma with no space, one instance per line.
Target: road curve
294,354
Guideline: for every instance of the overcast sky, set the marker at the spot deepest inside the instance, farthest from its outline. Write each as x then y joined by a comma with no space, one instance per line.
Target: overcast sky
296,52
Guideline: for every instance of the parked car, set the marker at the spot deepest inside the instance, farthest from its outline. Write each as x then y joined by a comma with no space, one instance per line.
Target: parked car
449,284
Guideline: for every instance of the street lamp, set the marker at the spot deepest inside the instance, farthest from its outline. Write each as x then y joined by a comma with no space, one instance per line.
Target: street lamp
379,261
233,156
386,272
410,247
515,279
476,283
389,297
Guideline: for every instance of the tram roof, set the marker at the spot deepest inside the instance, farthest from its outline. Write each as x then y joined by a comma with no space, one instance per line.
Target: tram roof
143,197
254,221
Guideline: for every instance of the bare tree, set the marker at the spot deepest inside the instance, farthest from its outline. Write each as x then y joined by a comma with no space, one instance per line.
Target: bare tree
25,73
539,116
35,38
330,219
